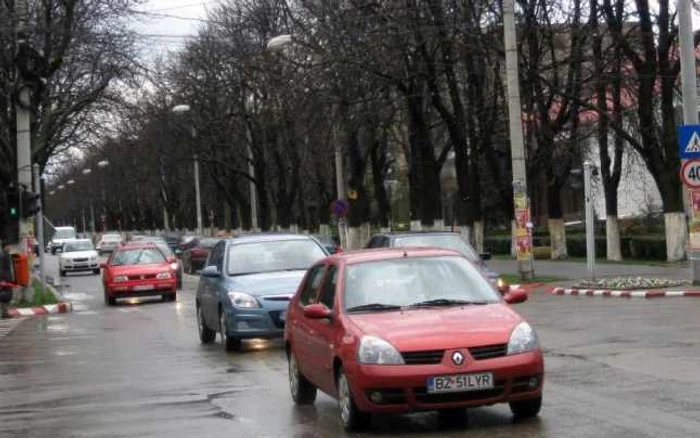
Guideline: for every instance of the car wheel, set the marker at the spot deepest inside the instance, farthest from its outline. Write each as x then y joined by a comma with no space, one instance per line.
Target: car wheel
229,343
351,417
206,335
526,408
303,391
110,301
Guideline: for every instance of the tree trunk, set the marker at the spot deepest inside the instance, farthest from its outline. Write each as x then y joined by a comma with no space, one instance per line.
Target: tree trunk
557,235
324,230
479,236
612,238
676,236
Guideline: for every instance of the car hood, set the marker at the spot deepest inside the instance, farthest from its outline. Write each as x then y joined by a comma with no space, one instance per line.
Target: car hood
139,269
79,254
440,328
268,283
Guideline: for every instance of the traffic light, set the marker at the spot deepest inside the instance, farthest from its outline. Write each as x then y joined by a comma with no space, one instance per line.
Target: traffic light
9,216
29,205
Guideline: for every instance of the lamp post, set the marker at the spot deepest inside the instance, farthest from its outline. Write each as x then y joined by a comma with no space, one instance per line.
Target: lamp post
86,172
277,44
181,109
102,164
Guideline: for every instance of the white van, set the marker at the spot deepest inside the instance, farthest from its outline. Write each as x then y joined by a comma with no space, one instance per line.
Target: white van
61,235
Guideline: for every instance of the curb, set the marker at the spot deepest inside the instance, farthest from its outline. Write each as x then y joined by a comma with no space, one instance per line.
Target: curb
625,293
48,309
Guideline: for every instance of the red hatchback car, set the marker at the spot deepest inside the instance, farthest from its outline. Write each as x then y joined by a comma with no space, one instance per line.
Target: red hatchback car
137,270
396,330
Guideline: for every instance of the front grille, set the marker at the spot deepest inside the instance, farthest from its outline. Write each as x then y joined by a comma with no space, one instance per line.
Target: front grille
142,277
278,298
430,357
80,260
275,316
422,395
488,351
389,396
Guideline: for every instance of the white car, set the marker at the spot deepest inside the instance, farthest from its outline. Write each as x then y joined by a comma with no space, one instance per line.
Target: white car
108,242
62,235
78,255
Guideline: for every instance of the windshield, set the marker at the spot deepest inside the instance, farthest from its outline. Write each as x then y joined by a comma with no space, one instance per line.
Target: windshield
443,241
64,234
279,255
138,256
410,281
84,245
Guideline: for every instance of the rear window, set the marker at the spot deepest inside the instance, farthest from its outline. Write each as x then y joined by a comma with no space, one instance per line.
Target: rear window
138,256
443,241
64,234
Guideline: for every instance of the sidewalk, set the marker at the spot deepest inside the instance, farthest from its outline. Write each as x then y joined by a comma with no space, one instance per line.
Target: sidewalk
578,270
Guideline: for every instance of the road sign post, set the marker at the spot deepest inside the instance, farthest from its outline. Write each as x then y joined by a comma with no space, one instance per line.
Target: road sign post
689,152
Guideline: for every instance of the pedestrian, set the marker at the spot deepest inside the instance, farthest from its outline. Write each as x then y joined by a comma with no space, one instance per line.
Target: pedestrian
6,279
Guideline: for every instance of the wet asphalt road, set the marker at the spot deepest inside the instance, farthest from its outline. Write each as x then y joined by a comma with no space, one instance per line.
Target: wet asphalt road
615,368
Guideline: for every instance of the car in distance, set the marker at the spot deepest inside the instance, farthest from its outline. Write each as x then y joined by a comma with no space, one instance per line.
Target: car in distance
245,288
78,255
61,235
330,243
137,270
108,242
409,329
195,256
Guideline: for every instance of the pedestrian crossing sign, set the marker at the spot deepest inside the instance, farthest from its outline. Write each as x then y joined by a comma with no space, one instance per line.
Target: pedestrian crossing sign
689,141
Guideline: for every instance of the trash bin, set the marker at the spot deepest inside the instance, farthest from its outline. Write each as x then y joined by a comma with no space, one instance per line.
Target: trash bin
20,264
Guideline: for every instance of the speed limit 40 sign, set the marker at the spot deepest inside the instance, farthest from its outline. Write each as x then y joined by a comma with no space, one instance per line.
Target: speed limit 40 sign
690,173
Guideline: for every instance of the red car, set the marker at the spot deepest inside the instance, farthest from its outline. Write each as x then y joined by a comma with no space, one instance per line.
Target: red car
137,270
396,330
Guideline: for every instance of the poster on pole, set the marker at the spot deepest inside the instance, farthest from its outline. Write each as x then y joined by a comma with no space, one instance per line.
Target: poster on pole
523,247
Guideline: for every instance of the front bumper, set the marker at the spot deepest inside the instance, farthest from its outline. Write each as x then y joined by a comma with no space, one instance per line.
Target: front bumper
263,322
76,267
403,387
142,288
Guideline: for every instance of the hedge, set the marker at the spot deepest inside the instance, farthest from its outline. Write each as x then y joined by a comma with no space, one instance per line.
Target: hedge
651,247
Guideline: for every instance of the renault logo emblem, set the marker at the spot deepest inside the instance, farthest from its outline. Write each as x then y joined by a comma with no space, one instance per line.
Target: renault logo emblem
457,358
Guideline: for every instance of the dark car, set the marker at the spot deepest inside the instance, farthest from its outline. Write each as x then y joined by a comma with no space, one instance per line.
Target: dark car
162,244
195,256
245,288
436,239
173,238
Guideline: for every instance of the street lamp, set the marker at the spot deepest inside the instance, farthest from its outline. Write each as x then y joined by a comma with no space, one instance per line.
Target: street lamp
103,163
181,109
61,187
71,182
277,44
87,171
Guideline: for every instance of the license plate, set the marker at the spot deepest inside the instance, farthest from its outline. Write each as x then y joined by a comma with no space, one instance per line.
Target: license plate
144,287
460,383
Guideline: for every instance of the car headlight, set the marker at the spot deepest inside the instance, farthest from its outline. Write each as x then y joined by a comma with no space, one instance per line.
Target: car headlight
523,338
376,351
239,299
174,266
120,279
163,275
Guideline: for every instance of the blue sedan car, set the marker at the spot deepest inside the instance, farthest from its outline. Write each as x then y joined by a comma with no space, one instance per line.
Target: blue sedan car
247,282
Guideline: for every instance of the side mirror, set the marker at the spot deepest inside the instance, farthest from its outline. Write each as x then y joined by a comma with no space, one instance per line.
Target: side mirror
515,297
103,265
210,272
317,311
485,256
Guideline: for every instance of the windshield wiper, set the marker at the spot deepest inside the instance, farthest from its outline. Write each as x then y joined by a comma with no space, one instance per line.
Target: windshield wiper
374,307
447,302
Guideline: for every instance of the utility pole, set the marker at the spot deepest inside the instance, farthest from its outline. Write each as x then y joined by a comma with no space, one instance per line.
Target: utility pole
198,198
24,139
523,234
253,189
689,89
590,219
39,225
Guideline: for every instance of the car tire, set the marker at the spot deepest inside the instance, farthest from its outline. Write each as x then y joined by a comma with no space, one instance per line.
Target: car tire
110,301
526,408
352,418
303,392
206,335
229,343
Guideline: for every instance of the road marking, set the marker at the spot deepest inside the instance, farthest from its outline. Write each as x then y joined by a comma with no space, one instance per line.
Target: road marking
7,325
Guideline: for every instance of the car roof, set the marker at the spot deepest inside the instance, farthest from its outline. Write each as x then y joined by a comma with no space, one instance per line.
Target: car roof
378,254
78,240
65,228
267,237
418,233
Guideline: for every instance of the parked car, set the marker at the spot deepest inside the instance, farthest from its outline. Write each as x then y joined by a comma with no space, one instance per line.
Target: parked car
409,329
246,286
61,235
138,269
108,242
194,258
160,242
173,238
330,243
78,255
437,239
188,241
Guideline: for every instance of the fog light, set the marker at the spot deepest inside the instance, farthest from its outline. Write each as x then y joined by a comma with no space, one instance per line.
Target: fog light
534,382
376,397
242,325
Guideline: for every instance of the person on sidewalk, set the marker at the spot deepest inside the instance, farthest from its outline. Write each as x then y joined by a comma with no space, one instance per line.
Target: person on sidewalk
6,279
